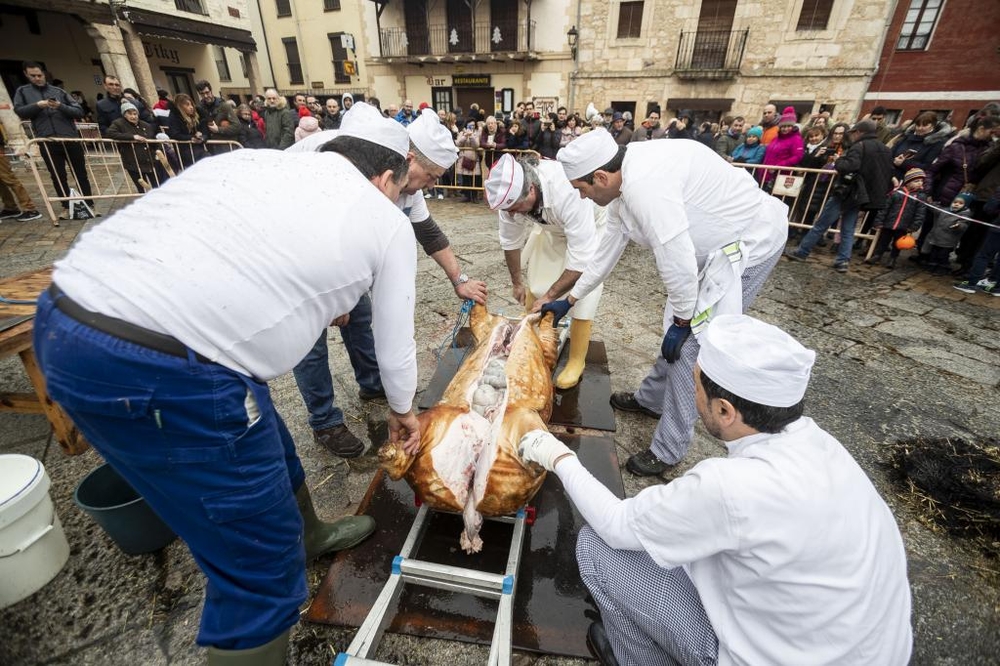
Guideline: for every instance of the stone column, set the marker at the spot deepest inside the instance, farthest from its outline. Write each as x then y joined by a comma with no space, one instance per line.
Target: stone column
137,58
253,73
111,48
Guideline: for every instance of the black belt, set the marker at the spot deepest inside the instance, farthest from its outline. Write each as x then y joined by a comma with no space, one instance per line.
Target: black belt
118,328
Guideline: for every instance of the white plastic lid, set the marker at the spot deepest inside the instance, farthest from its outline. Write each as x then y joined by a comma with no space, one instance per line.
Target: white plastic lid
23,484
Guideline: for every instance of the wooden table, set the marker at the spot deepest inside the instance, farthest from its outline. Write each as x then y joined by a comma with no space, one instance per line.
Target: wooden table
17,340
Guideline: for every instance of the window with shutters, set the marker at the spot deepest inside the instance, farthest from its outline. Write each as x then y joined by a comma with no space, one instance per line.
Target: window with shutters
331,5
630,19
292,57
341,74
284,7
918,25
193,6
815,14
219,55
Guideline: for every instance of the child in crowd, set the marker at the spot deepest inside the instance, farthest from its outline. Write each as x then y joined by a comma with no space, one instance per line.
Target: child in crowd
989,252
945,234
904,216
750,151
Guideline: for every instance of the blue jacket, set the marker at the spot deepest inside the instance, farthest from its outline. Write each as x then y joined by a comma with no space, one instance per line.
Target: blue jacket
747,154
404,119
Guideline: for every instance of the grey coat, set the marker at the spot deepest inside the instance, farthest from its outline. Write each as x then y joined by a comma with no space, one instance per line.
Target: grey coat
943,234
47,123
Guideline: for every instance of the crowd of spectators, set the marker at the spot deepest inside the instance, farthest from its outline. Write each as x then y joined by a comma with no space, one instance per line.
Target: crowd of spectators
951,161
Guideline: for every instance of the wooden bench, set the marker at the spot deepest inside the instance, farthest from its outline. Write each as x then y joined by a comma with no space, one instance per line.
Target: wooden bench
16,339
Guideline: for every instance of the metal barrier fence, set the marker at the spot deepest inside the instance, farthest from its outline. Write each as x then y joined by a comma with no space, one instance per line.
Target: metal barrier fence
805,192
79,172
115,169
484,161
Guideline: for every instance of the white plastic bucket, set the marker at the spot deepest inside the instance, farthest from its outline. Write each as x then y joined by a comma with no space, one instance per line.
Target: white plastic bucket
33,547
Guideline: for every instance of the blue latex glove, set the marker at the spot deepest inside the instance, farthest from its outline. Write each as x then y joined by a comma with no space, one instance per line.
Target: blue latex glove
558,310
674,339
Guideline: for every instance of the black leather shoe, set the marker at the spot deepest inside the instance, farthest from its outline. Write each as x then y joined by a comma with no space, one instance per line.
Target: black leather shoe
597,641
371,395
626,402
645,463
339,441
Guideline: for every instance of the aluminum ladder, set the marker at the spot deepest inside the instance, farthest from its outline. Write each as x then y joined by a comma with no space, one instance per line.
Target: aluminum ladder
443,577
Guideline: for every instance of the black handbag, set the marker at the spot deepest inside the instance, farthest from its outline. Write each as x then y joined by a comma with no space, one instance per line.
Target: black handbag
850,187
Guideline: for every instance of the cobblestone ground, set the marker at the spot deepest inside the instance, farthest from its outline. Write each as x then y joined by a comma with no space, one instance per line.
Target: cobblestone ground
900,354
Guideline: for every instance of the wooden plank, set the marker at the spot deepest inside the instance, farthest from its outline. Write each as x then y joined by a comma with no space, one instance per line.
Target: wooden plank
69,438
20,403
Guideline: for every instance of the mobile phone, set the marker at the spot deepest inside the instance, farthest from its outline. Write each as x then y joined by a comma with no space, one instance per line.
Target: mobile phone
910,151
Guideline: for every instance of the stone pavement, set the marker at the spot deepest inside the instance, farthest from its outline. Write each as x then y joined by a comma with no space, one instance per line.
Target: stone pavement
900,354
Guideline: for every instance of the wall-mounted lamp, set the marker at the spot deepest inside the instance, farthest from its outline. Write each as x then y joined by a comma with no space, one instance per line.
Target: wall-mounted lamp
572,36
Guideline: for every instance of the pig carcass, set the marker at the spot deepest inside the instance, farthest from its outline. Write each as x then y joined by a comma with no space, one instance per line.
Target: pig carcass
468,460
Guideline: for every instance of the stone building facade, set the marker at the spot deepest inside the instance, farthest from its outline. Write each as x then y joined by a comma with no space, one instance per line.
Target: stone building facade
723,57
148,44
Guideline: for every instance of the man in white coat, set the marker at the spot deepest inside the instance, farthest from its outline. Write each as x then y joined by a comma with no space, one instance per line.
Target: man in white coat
715,237
781,553
165,323
431,152
546,227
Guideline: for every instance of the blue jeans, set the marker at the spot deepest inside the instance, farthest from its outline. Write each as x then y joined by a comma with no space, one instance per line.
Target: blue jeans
207,450
312,374
989,249
833,209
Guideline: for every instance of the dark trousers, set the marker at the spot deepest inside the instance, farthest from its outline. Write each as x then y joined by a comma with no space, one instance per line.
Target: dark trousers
887,240
56,155
988,251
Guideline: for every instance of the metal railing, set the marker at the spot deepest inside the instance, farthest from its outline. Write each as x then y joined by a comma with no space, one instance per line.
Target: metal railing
711,53
804,207
471,186
446,40
70,172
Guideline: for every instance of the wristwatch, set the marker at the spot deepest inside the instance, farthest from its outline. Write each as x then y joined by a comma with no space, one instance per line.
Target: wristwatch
462,279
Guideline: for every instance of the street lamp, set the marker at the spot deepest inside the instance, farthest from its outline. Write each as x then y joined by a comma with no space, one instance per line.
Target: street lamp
572,37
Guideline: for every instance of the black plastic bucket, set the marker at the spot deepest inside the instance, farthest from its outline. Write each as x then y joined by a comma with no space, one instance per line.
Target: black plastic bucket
122,512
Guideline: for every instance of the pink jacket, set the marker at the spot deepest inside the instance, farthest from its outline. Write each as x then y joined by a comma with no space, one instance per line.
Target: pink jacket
785,150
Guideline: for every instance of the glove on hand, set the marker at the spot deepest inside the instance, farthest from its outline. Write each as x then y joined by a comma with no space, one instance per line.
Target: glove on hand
541,447
674,339
558,310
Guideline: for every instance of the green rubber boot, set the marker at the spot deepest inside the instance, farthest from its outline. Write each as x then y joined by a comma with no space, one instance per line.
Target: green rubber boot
268,654
321,538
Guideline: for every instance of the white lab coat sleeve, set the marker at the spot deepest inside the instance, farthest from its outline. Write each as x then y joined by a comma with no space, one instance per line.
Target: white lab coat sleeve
609,251
577,217
678,268
604,512
513,234
689,519
393,298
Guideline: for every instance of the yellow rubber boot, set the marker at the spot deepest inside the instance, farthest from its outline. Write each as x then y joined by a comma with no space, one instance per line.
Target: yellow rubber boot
579,342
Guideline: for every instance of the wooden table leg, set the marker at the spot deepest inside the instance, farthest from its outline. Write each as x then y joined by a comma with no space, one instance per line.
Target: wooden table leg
69,438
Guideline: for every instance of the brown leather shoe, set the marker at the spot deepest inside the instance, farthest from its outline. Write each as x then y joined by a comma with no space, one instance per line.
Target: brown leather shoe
339,441
600,647
626,402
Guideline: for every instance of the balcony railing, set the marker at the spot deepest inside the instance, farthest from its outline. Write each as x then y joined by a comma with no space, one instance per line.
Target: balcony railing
713,54
442,40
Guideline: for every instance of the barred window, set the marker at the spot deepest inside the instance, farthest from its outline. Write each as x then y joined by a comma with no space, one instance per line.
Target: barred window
193,6
331,5
219,54
294,64
284,7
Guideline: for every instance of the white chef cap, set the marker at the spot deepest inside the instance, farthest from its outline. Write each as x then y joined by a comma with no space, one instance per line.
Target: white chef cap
587,153
364,121
433,139
756,361
503,187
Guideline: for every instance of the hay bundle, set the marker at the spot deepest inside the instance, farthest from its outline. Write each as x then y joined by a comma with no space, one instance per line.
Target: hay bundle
957,484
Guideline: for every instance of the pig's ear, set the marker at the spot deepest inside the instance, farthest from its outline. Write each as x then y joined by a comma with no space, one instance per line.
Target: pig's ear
394,460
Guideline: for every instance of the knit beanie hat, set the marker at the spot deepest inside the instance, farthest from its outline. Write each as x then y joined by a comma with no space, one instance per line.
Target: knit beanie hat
913,174
788,116
309,124
966,197
755,131
128,106
304,111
